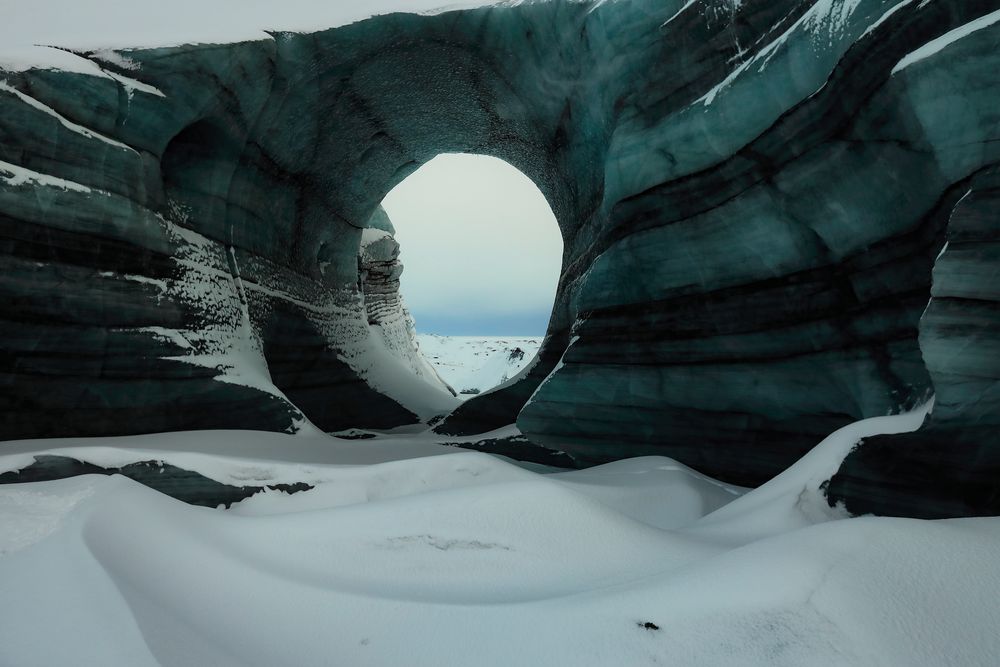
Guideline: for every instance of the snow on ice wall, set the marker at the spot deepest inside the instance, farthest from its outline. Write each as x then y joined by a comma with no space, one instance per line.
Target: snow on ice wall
753,196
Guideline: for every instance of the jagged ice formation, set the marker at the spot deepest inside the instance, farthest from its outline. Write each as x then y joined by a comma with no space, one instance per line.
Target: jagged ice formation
754,198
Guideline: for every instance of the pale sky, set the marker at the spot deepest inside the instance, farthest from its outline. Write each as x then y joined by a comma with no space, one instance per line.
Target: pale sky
480,247
99,24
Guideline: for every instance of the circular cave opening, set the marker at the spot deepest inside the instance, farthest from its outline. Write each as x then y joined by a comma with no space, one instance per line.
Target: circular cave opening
481,253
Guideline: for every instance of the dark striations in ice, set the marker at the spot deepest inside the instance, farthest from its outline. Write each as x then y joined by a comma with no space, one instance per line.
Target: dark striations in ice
754,197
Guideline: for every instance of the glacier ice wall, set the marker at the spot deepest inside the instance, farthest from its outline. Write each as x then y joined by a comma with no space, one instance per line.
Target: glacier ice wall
754,197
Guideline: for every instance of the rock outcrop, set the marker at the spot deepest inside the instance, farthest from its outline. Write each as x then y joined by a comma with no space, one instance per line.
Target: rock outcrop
753,196
389,321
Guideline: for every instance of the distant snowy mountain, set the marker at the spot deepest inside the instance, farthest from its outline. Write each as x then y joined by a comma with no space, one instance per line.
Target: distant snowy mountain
473,364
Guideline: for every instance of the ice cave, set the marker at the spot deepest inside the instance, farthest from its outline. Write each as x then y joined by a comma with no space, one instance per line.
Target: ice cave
764,416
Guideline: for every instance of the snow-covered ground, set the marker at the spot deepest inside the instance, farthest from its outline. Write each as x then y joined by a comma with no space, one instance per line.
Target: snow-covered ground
410,553
474,364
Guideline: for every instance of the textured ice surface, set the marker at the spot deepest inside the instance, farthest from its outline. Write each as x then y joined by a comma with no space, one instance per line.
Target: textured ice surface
739,279
101,25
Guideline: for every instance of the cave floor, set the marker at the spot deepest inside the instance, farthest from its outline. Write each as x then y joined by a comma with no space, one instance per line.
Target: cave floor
407,552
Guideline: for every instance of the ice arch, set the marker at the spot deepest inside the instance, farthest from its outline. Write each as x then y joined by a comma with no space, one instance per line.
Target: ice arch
292,208
752,198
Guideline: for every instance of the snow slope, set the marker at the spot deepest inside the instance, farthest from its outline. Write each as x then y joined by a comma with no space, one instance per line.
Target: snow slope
460,558
474,364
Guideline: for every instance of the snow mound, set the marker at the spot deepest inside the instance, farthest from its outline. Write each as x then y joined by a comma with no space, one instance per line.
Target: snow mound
466,559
